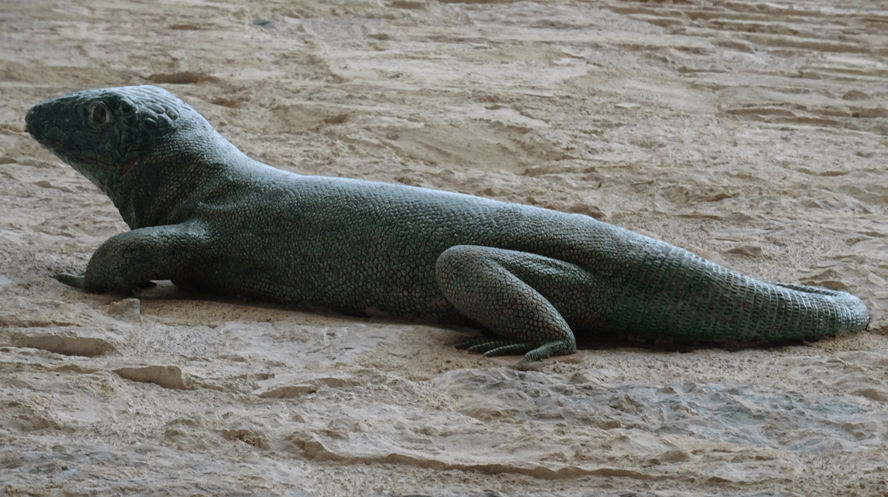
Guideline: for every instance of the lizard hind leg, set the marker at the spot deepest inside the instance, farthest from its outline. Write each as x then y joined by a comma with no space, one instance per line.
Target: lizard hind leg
498,289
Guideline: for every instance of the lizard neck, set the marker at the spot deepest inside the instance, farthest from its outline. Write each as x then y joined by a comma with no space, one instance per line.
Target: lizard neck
163,185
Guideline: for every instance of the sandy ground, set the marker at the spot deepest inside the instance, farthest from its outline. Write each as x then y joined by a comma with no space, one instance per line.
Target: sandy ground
753,133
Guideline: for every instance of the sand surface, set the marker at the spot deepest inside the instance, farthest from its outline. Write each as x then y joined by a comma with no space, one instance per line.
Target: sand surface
753,133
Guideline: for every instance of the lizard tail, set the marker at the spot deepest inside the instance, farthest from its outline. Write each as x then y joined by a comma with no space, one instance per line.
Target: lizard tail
676,295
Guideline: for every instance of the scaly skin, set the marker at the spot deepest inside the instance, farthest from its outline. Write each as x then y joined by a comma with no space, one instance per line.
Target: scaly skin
206,216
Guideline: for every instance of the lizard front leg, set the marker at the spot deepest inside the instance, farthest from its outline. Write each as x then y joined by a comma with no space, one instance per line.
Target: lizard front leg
130,259
503,290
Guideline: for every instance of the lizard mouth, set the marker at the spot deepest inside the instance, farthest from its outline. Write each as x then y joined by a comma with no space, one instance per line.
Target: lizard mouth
46,132
34,133
41,137
53,144
57,146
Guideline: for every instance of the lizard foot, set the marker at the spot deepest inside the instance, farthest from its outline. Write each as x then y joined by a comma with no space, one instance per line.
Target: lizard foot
500,290
533,351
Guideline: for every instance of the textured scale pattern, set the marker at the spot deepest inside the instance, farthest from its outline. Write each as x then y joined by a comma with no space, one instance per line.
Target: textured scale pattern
206,216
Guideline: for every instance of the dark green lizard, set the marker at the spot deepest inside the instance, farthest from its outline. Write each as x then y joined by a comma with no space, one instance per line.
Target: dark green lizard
206,216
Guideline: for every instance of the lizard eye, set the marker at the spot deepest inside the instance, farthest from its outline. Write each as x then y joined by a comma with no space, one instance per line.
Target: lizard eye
98,114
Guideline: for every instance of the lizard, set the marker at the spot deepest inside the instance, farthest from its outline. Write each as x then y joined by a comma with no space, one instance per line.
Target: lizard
205,216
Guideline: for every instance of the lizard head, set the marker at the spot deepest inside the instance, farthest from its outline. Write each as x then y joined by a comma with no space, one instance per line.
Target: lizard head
104,133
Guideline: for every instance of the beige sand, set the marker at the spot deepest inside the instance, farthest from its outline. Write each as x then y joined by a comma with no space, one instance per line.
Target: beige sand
753,133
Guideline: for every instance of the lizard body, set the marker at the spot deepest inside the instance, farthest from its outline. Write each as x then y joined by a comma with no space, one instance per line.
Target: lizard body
205,215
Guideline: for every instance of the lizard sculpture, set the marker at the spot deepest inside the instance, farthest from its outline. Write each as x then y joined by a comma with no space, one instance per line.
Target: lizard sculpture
204,215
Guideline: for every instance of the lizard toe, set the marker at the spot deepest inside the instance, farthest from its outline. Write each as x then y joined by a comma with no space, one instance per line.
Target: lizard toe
494,348
481,344
561,347
73,280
